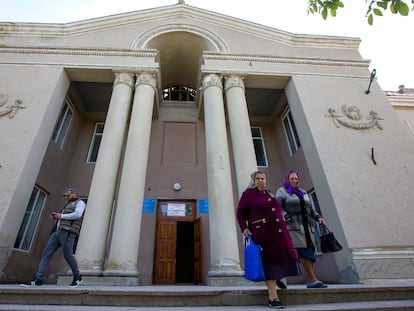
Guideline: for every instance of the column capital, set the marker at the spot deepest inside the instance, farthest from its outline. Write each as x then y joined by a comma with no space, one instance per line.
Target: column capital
212,80
124,78
146,78
233,81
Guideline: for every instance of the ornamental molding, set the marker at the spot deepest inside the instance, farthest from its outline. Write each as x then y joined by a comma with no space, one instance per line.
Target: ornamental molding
354,118
79,52
144,39
233,81
146,78
212,80
285,60
124,78
10,110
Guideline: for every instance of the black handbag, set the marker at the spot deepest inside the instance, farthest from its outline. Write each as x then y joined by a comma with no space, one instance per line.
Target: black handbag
253,265
329,244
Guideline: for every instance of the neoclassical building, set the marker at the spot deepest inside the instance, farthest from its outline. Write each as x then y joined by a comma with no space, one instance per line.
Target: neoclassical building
158,117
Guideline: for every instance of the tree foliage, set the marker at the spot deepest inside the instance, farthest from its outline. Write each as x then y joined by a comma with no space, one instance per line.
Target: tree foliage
375,7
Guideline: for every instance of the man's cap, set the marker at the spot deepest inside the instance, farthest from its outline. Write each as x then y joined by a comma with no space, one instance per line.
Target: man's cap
69,191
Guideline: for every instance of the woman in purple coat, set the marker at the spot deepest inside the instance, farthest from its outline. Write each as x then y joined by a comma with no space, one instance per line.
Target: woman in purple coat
259,214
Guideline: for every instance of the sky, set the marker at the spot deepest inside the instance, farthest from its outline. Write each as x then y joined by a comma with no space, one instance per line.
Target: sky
388,43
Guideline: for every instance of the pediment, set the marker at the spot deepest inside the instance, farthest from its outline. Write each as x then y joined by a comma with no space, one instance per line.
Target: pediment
174,18
182,37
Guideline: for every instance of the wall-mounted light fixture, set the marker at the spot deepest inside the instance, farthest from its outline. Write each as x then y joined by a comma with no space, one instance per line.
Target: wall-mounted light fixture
373,73
177,186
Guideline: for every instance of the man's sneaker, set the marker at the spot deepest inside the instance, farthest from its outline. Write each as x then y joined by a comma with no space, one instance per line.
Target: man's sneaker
76,281
275,304
32,283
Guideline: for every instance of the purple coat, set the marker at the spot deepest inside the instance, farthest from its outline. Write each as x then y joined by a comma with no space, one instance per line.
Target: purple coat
262,214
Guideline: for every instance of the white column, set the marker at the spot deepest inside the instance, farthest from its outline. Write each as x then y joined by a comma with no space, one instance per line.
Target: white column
244,155
94,234
122,260
225,260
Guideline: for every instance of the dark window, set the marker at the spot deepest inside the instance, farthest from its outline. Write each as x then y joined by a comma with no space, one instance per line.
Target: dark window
290,131
63,124
259,147
95,143
30,221
179,93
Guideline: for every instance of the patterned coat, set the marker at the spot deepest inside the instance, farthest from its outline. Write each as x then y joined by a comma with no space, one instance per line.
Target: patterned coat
292,212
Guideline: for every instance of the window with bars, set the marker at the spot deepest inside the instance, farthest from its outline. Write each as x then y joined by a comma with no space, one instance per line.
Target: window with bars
179,93
290,131
30,221
95,143
63,124
259,147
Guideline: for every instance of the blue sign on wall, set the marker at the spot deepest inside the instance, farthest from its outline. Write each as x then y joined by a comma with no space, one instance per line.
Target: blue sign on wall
202,206
148,206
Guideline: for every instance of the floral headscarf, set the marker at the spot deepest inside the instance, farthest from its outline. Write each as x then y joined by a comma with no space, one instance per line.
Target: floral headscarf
291,189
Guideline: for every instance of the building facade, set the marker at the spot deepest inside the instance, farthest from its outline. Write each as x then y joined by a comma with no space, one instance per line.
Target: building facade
158,117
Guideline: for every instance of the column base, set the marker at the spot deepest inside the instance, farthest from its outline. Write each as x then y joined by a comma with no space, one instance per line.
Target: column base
121,273
231,281
101,280
93,268
378,265
226,278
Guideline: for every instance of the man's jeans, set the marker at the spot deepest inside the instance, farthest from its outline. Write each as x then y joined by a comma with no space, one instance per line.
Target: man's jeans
57,239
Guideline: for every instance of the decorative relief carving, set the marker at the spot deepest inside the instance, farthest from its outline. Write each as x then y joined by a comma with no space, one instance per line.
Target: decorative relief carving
124,78
384,263
146,78
10,110
212,80
353,113
233,81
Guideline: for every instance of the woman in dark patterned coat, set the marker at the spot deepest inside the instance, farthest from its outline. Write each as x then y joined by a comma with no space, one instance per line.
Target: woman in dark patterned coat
259,214
300,215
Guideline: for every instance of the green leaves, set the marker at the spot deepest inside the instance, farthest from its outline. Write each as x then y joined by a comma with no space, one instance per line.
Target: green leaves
324,7
375,8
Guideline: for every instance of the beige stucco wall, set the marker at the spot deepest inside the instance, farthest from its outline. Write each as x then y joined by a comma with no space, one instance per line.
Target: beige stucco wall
406,114
362,195
25,137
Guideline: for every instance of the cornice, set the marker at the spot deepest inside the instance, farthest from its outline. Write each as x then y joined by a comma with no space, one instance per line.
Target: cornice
402,101
78,51
285,60
181,10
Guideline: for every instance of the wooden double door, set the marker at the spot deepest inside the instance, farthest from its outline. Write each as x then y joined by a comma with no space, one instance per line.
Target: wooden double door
178,243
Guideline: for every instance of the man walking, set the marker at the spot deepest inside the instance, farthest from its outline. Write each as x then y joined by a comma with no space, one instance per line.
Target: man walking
68,225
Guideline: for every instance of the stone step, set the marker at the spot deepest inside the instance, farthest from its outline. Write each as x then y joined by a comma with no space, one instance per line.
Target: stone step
381,297
351,306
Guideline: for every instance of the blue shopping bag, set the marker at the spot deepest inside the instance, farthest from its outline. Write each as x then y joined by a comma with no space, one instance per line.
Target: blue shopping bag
253,265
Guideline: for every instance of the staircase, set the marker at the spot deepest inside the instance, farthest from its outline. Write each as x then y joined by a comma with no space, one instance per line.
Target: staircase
296,297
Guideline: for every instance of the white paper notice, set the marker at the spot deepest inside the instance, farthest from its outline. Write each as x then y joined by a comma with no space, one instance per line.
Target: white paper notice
176,209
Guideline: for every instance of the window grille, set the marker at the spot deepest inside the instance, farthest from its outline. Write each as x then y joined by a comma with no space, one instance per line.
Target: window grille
179,93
